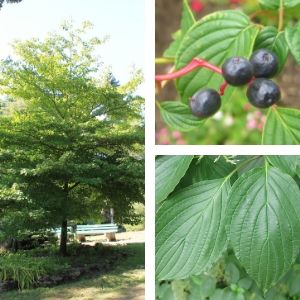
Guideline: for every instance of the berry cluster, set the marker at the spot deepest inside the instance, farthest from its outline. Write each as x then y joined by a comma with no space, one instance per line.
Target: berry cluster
237,71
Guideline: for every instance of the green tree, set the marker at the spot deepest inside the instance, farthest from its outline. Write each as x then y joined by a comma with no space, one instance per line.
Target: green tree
70,139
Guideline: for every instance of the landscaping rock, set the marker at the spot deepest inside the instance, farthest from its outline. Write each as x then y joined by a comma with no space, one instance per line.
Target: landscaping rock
44,283
7,285
56,278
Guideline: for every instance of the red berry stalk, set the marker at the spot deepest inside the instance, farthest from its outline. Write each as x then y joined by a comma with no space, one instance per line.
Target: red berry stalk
223,88
194,64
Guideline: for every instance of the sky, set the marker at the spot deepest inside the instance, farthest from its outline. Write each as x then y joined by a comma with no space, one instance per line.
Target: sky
121,20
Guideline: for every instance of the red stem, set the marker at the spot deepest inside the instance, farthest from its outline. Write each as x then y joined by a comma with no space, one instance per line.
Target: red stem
194,64
222,88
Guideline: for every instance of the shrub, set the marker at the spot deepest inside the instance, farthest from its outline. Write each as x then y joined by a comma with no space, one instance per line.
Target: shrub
26,270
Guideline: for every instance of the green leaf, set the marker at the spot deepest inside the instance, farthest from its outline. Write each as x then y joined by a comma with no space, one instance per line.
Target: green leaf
286,163
226,294
187,21
164,291
275,4
270,38
214,38
213,167
263,223
171,51
179,288
178,116
282,127
294,287
254,162
245,283
206,285
292,36
232,273
187,18
190,231
168,172
206,168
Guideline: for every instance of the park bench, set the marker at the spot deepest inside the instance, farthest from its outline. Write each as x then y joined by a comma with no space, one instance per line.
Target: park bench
108,229
84,230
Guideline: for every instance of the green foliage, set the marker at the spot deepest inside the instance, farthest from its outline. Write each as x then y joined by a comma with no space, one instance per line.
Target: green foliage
186,219
215,38
292,38
249,203
263,223
178,116
288,163
127,274
71,142
282,127
170,168
28,266
271,4
270,38
187,21
228,280
25,270
207,168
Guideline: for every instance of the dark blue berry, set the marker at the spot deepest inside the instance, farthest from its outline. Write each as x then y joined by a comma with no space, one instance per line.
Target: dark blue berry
265,63
205,103
263,93
237,71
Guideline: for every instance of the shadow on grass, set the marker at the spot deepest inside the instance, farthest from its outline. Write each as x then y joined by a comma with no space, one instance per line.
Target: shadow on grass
126,281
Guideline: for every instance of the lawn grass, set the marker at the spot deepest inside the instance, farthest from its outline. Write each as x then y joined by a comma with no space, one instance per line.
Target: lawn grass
126,281
137,227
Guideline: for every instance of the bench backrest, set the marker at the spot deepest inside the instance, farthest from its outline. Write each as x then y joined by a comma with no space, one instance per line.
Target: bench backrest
98,228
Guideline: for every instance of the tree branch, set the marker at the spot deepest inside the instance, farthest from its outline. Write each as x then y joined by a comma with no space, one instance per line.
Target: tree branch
73,186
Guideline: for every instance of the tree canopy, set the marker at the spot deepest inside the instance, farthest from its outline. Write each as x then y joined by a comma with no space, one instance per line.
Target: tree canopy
71,137
9,1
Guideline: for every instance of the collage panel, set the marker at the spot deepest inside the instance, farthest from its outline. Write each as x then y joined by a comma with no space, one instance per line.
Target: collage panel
72,143
227,227
227,72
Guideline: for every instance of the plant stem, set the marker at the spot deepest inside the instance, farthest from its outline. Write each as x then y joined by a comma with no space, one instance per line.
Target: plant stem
194,64
222,88
267,13
163,60
280,16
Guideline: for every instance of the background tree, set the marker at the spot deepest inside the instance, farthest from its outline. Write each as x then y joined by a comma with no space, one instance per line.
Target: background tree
69,137
9,1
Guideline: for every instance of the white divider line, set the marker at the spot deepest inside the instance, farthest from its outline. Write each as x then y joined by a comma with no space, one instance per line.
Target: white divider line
150,149
227,150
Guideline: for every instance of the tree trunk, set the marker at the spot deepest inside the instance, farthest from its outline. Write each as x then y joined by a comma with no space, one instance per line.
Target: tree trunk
64,223
63,238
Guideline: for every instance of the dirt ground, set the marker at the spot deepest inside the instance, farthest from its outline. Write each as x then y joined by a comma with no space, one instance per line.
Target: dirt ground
167,21
134,292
